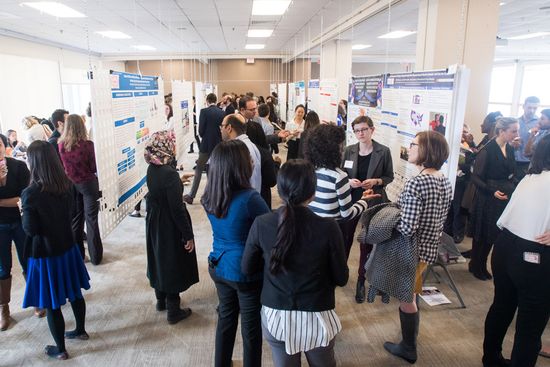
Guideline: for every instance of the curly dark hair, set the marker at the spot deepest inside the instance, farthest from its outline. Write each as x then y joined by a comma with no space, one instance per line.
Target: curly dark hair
323,146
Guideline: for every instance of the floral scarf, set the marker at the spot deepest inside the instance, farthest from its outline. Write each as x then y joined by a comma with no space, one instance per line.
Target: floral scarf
161,148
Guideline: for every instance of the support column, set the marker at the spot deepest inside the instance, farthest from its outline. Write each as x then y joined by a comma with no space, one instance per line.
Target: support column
336,58
460,32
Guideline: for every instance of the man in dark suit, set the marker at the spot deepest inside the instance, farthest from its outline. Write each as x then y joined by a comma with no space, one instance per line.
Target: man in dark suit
58,121
210,120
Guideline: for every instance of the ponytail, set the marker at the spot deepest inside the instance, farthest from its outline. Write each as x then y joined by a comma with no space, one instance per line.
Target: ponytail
286,233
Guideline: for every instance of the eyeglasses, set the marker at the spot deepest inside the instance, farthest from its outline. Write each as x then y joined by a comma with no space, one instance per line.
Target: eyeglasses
364,130
252,109
412,145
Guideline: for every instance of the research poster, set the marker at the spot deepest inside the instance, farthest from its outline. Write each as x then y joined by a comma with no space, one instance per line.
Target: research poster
282,100
328,101
272,88
200,98
401,105
291,101
137,112
313,95
182,105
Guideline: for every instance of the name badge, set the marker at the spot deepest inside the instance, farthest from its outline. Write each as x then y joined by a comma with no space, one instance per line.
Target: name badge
531,257
348,164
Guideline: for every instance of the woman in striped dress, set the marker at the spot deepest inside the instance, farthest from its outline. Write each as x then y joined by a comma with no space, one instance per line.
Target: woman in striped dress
302,262
323,147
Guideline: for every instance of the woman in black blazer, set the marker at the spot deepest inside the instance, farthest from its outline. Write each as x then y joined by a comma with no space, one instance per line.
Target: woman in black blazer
369,166
303,262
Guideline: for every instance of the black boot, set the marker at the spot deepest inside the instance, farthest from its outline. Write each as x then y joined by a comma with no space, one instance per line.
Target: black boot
499,361
409,330
360,292
161,300
175,313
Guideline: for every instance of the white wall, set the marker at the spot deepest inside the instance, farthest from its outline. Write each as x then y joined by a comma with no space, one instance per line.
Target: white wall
33,77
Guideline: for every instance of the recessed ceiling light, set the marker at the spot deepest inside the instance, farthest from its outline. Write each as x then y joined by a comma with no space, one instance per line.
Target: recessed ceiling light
259,33
269,7
503,3
144,48
529,35
397,34
56,9
114,35
360,47
254,46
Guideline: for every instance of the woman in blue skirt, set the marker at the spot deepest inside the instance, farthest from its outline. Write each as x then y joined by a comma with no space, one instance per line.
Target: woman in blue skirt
55,268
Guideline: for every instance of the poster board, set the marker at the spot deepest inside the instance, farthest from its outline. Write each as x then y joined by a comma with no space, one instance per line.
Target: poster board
291,102
272,88
182,105
403,104
328,101
127,109
200,98
296,96
313,95
282,101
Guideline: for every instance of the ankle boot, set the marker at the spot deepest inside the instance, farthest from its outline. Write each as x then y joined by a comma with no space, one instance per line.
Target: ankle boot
175,314
161,300
5,291
409,330
360,292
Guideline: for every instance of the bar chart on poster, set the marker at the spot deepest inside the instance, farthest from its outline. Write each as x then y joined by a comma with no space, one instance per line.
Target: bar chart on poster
401,105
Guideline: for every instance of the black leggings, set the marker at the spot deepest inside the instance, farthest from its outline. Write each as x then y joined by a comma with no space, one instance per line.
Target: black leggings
56,322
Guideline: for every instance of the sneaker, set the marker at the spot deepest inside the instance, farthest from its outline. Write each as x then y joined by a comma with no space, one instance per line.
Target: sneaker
135,214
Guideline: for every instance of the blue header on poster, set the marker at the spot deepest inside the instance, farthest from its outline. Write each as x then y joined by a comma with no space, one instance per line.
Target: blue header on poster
313,84
184,104
430,80
127,81
140,94
122,94
120,123
300,84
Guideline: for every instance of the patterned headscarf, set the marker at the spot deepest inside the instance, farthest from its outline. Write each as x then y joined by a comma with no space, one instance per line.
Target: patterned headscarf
161,148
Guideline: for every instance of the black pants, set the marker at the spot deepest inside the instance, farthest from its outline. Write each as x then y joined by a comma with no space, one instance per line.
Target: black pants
456,219
87,209
238,298
347,227
293,147
523,286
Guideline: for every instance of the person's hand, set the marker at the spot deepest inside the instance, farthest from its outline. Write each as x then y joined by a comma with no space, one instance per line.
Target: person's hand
283,134
277,159
544,238
354,183
369,194
515,143
189,245
369,184
534,130
187,176
501,196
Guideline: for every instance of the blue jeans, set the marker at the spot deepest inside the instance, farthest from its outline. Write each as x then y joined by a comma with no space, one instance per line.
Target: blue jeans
11,232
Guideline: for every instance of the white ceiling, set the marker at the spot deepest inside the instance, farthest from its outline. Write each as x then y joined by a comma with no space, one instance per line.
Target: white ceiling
219,27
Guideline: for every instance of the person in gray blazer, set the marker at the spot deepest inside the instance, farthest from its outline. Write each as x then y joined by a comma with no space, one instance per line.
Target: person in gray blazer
369,166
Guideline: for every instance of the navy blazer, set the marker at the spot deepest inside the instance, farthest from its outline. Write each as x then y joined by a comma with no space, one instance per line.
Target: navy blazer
209,128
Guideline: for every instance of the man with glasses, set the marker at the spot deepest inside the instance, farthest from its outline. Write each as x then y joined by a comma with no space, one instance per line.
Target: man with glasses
210,120
248,109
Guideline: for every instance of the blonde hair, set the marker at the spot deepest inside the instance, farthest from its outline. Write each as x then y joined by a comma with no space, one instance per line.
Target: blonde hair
504,123
28,122
74,132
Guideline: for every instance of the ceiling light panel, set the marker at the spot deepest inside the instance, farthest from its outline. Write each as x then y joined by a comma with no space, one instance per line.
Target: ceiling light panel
144,48
254,46
55,9
397,34
360,47
114,35
259,33
270,7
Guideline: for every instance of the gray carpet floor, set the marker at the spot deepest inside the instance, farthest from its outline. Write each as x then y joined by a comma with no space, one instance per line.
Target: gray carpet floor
126,330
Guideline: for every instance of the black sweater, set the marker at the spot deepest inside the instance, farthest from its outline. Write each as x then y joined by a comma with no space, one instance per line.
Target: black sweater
315,264
17,181
47,222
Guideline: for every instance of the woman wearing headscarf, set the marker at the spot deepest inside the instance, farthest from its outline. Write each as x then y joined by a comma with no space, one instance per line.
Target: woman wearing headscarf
171,257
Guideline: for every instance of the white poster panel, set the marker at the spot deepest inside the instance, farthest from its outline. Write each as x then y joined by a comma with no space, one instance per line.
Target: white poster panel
291,101
127,109
300,92
272,88
182,104
282,100
200,98
328,101
313,95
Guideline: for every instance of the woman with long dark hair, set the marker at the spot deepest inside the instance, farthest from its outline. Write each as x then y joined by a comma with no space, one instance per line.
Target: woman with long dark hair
311,121
521,268
55,270
171,257
78,157
303,260
14,178
231,206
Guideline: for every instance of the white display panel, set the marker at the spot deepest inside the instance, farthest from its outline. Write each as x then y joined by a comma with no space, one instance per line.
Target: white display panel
182,105
328,101
272,88
126,109
401,105
282,101
313,95
200,98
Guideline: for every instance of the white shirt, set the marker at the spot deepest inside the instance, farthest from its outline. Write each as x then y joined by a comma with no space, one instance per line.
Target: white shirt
527,215
256,178
293,126
36,132
266,126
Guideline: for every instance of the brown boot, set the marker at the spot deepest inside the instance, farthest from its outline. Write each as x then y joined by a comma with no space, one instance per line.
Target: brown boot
5,291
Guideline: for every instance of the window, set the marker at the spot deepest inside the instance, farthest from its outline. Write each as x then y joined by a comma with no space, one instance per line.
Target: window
536,82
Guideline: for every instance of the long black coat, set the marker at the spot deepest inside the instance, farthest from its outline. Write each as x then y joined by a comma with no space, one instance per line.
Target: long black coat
170,268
